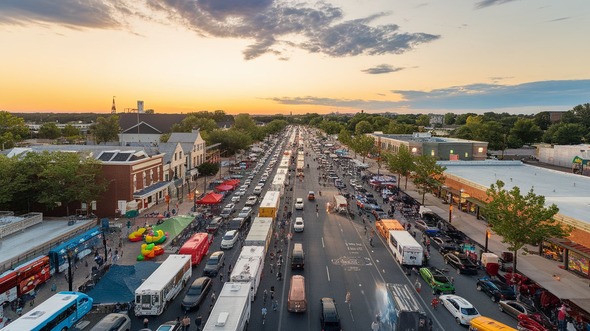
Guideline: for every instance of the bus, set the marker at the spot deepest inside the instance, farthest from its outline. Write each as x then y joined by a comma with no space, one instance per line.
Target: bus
197,247
163,285
406,250
260,233
82,245
232,309
60,312
23,279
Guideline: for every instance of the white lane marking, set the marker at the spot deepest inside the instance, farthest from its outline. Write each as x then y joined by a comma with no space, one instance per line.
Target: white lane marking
328,273
323,246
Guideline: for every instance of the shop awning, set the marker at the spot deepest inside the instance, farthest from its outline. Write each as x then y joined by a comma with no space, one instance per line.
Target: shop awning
151,190
224,188
476,201
210,199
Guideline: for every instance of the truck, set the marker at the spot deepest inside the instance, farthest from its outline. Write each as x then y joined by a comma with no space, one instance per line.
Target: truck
163,285
248,268
403,312
260,233
231,311
340,204
269,207
385,225
406,250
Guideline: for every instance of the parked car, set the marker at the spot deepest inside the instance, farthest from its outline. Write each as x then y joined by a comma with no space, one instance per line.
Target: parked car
196,293
240,192
170,326
245,212
329,318
460,262
113,322
515,308
258,190
311,196
214,224
445,244
299,204
495,289
235,198
252,200
229,239
214,263
299,225
437,280
461,309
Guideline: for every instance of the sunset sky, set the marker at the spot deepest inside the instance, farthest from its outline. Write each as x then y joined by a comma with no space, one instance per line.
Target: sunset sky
265,56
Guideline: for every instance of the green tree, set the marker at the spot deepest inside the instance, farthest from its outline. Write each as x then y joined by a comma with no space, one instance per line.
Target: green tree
450,118
90,183
400,128
231,140
401,163
363,144
193,122
208,169
345,137
363,127
331,127
521,219
12,130
106,129
9,183
58,179
49,131
423,120
543,120
70,131
526,131
564,134
428,175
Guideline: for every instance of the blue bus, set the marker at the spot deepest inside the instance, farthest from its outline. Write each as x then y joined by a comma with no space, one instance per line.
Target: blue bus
60,312
80,245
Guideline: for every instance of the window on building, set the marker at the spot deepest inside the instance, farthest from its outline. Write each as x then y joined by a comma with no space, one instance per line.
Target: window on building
432,152
180,155
466,155
151,176
480,150
145,177
452,152
134,183
175,156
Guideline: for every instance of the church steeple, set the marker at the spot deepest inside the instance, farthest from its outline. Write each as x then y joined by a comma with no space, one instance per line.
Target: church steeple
113,108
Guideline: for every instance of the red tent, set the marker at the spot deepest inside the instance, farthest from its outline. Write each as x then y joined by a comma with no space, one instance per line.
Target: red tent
224,188
233,182
210,199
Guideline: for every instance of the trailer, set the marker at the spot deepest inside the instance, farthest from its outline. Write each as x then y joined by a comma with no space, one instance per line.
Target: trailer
260,233
403,311
269,207
385,225
248,268
406,250
231,311
339,204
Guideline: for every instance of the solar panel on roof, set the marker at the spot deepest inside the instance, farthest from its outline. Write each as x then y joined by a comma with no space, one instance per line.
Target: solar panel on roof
106,156
121,156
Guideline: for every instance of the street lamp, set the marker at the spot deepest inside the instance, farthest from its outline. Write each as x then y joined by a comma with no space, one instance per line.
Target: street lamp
69,254
195,201
488,235
460,198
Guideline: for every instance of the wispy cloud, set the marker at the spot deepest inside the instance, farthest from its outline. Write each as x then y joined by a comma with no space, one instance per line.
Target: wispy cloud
488,3
564,93
382,69
560,19
274,27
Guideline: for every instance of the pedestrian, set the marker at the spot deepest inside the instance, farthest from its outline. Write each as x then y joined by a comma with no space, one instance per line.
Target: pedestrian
275,305
198,321
221,277
186,323
418,285
272,292
53,287
264,295
347,298
561,319
213,297
145,322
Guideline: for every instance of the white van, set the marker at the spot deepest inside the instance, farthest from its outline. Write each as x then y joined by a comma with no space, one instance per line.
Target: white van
258,190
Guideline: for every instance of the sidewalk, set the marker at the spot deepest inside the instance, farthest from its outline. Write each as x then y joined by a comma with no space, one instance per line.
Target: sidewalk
547,273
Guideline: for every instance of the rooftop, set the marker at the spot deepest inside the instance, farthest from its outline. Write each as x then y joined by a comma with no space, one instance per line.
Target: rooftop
423,137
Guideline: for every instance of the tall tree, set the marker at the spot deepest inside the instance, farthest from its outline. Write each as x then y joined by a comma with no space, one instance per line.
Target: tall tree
49,131
427,174
364,145
401,163
193,121
12,130
70,131
345,137
521,219
423,120
90,183
9,183
526,131
106,129
564,134
363,127
231,140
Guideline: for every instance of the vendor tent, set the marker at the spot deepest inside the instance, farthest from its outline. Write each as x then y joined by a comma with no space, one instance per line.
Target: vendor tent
233,182
210,199
120,282
224,188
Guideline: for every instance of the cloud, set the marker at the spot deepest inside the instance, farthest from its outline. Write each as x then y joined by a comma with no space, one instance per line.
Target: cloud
71,13
560,19
488,3
274,26
531,96
381,69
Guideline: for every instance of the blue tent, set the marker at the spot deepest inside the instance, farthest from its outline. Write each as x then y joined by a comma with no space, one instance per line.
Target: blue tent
121,281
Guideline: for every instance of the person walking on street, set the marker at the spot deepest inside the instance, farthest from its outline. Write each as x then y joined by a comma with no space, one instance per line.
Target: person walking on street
374,326
198,321
418,285
264,295
347,298
146,322
186,323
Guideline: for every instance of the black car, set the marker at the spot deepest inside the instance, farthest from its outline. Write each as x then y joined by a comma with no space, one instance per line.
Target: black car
216,260
460,262
329,318
445,244
196,293
496,289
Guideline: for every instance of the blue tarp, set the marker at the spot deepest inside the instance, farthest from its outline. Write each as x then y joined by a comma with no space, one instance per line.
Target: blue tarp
121,281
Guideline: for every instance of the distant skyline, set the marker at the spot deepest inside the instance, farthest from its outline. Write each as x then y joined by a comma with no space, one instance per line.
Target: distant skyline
269,57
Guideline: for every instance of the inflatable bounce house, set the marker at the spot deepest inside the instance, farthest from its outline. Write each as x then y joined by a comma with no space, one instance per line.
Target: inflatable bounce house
149,251
137,235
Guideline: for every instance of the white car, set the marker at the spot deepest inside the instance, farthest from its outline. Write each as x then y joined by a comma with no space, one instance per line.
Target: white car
299,225
258,190
461,309
245,212
299,204
240,192
229,239
247,182
235,199
252,200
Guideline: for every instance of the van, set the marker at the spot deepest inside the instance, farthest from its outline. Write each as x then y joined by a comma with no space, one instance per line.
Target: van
297,302
113,322
482,323
298,257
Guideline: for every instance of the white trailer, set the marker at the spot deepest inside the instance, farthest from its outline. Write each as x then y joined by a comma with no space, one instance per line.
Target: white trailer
163,285
232,309
248,268
260,233
406,250
279,182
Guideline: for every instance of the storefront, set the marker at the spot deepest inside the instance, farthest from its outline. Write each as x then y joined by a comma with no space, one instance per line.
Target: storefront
552,251
575,257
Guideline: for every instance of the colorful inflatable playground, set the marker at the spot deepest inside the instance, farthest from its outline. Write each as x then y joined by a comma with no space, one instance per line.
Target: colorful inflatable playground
153,238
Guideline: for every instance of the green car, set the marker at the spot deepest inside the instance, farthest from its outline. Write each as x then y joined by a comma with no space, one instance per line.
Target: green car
437,281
